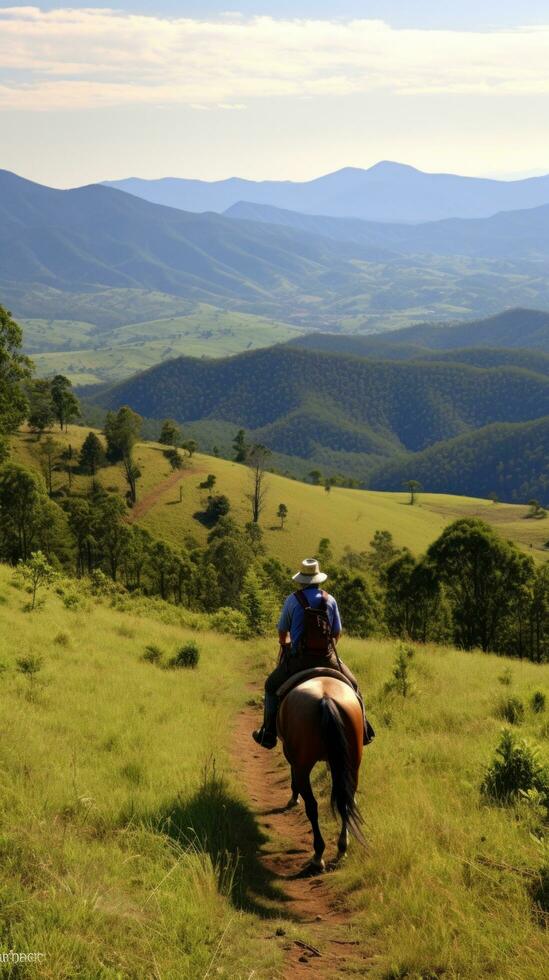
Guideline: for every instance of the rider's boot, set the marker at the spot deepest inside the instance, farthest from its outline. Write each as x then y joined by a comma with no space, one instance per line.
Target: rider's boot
368,732
266,735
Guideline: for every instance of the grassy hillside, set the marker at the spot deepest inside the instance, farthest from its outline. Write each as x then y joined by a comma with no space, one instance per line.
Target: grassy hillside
126,853
347,517
88,354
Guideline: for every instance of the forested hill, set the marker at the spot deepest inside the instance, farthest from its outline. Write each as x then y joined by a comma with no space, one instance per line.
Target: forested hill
510,460
483,357
309,404
524,328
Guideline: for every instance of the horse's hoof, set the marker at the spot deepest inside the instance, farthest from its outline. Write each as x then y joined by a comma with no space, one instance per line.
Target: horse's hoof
318,865
341,855
293,801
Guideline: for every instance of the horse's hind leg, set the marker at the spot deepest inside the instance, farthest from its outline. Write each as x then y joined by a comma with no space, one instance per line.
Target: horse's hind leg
343,839
311,809
294,798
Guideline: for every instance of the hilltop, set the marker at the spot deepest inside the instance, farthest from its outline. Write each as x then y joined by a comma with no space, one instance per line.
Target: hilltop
386,192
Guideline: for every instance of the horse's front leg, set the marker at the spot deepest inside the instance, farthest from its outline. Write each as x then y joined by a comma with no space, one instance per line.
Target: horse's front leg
311,809
294,798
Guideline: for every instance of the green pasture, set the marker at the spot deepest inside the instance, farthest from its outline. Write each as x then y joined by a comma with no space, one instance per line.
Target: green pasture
90,355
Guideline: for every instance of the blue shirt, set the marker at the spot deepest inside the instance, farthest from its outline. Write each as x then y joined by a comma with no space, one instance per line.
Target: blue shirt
292,616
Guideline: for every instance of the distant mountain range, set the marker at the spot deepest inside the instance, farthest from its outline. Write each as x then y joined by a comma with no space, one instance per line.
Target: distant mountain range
98,255
388,191
515,235
373,419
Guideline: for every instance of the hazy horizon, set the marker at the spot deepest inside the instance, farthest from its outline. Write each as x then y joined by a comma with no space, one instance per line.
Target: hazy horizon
271,91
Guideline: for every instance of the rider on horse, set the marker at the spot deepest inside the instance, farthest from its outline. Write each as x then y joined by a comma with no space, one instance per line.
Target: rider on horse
311,617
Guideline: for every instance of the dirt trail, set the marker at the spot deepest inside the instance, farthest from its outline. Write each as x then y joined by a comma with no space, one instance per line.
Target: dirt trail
307,901
144,505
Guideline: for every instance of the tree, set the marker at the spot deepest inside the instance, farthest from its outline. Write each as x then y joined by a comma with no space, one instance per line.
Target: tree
256,460
170,433
122,431
41,410
161,562
383,551
484,576
413,488
92,455
174,458
37,573
255,605
209,483
282,514
65,403
231,556
358,604
15,369
50,452
414,601
240,447
324,551
315,477
218,506
190,447
135,555
110,531
254,535
20,511
329,482
67,456
82,523
536,510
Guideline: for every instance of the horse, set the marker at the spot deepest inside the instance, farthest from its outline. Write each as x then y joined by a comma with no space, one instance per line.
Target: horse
320,719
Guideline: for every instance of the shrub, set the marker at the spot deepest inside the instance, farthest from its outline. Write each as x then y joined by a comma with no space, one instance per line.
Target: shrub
516,768
62,639
187,656
153,654
506,678
401,681
29,666
537,702
511,710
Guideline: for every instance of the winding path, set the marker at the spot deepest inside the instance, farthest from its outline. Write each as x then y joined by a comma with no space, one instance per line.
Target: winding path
329,947
145,503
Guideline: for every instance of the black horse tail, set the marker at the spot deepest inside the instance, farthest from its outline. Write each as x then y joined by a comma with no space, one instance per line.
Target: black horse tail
343,772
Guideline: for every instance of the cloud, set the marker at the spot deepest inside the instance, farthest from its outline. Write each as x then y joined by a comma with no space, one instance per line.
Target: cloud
88,58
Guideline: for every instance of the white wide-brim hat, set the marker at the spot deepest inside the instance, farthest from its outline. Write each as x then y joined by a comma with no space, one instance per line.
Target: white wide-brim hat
309,573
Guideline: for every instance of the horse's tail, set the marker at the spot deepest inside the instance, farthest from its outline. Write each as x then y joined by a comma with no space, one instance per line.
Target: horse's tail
334,735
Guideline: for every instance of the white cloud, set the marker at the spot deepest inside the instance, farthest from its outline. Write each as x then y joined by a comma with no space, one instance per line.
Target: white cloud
66,59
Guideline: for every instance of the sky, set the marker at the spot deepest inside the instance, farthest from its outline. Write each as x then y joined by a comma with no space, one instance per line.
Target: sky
283,90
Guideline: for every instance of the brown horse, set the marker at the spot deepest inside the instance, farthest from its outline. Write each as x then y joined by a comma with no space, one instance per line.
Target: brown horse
321,720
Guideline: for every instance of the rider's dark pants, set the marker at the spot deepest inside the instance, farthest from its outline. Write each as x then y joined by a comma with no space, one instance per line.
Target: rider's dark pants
291,664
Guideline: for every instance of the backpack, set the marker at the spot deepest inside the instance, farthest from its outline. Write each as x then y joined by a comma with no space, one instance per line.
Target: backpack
317,629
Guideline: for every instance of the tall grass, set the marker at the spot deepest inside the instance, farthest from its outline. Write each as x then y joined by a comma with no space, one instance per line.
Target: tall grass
118,837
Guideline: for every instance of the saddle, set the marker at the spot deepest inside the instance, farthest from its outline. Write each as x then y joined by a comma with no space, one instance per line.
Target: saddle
307,675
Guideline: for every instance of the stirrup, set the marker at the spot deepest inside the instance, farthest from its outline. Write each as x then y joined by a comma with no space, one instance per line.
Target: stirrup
266,739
